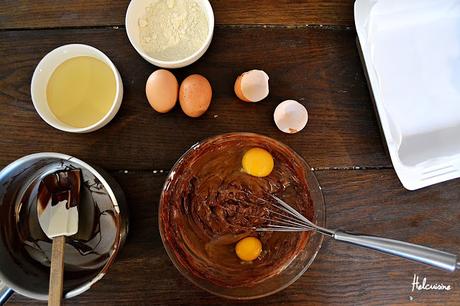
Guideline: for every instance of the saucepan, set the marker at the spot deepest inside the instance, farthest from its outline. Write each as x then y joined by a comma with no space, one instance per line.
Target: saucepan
25,250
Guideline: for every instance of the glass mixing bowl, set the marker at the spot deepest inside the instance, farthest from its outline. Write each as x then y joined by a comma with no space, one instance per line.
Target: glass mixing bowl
295,266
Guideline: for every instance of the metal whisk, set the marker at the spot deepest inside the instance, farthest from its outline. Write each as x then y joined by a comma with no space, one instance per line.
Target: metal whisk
284,218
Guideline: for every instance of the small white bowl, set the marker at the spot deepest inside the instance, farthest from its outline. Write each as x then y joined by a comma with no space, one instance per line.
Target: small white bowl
136,10
45,69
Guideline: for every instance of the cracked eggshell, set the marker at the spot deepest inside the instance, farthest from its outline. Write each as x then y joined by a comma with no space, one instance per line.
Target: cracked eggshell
290,116
252,86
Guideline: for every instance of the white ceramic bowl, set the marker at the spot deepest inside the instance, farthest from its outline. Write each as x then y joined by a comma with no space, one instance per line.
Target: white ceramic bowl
136,10
43,72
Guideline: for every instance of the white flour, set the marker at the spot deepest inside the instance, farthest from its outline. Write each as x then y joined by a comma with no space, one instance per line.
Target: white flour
173,29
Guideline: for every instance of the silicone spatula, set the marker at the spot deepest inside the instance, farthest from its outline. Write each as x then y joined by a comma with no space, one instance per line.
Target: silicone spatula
57,208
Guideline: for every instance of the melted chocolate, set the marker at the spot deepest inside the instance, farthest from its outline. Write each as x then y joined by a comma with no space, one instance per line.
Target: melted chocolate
209,204
24,248
88,250
60,186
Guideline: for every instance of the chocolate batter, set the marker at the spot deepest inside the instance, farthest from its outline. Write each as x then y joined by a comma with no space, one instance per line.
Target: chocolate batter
209,204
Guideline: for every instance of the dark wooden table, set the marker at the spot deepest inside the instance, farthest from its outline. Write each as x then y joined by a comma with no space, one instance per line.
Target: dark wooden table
308,49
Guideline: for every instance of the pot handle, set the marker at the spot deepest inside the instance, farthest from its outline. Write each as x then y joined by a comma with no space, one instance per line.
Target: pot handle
5,294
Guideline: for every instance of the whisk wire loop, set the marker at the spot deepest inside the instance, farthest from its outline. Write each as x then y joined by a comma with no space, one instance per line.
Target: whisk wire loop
284,218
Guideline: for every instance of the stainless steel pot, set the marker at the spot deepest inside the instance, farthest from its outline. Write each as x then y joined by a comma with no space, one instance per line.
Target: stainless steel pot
25,250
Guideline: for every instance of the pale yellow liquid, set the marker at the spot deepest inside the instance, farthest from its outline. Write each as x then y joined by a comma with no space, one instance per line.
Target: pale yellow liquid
81,91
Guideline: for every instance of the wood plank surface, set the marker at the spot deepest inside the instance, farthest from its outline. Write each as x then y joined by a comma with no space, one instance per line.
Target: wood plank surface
87,13
318,67
367,201
308,49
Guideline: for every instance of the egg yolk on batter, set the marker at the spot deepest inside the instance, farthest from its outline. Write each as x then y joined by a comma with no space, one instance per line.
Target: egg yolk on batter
248,249
258,162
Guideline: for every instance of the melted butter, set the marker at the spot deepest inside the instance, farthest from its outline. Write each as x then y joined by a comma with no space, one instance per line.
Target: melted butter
81,91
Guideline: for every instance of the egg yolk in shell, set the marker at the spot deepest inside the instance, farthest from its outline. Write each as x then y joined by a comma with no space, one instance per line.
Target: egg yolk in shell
258,162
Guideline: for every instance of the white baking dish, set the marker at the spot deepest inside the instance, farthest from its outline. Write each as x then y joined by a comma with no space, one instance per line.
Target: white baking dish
411,51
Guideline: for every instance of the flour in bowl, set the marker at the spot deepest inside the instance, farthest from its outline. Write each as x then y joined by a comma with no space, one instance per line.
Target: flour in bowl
173,29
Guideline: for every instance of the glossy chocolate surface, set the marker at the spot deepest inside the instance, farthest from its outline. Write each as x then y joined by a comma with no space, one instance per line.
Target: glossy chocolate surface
25,250
86,251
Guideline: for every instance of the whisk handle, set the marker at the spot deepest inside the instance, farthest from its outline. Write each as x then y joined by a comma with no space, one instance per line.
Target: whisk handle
422,254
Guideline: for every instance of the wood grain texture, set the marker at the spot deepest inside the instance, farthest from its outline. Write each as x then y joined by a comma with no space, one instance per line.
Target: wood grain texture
88,13
318,67
57,272
366,201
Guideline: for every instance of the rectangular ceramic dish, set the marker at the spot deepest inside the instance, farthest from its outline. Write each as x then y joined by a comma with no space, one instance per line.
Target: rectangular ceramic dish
411,51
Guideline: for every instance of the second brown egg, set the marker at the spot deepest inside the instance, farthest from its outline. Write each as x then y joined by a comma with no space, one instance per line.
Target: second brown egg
195,94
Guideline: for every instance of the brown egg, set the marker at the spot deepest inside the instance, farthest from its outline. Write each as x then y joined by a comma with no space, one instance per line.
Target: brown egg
161,90
195,95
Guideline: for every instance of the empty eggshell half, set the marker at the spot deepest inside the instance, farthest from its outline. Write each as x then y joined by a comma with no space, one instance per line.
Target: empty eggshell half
252,86
290,116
